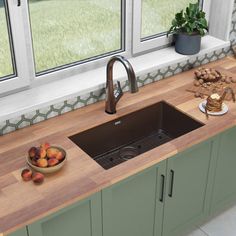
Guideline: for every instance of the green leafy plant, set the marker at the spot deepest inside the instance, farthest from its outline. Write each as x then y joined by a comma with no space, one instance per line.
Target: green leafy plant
192,21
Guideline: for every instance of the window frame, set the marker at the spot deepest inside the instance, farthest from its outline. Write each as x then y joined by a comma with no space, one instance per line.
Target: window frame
155,41
10,41
87,64
21,79
24,59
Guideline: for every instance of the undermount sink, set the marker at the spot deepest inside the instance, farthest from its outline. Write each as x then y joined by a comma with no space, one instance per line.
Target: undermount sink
131,135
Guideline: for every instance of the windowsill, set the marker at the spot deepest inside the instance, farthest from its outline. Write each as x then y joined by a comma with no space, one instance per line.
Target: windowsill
45,95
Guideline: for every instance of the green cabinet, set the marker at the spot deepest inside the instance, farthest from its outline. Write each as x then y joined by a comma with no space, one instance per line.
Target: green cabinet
224,187
80,219
187,178
165,200
20,232
134,207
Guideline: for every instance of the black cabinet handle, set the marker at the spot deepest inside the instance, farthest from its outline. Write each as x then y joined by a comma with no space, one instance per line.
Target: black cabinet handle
162,188
172,175
18,3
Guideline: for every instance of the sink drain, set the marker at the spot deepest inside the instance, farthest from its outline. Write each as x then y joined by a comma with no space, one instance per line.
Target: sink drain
128,152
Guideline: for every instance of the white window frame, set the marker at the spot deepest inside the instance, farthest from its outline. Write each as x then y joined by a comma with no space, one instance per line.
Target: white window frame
19,44
24,57
86,65
221,18
155,41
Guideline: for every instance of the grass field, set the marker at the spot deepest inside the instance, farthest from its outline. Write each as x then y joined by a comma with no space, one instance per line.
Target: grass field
157,15
66,31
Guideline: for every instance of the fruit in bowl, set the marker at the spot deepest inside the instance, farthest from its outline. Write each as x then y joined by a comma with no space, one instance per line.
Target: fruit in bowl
46,158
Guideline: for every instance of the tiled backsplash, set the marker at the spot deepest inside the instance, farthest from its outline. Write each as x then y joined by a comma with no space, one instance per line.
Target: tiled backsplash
95,96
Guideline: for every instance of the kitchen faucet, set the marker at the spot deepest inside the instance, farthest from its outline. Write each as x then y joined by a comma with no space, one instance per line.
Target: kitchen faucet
112,97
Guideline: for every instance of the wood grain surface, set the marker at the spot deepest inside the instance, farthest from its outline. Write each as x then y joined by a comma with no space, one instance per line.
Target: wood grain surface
22,203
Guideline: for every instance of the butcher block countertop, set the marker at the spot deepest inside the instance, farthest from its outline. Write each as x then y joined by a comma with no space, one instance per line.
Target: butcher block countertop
22,203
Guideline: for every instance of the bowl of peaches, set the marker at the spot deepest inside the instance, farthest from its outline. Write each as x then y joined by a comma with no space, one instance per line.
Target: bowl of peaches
46,158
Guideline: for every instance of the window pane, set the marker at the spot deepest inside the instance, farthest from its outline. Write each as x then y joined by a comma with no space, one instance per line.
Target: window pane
6,65
68,31
157,15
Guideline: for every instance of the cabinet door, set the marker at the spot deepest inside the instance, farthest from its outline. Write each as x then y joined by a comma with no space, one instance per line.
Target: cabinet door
187,177
224,191
81,219
129,207
20,232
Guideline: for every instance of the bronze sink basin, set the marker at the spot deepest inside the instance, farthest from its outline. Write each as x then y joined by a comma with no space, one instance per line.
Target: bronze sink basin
131,135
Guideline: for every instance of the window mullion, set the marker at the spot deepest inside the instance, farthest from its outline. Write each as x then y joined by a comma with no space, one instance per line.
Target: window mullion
26,33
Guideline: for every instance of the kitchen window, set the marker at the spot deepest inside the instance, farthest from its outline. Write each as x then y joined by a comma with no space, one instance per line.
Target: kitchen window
14,69
152,19
7,61
157,16
46,40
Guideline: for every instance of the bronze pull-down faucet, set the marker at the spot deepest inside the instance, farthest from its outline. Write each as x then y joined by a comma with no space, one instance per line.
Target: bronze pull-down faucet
112,97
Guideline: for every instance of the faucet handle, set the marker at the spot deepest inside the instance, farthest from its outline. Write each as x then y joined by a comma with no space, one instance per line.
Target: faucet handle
118,93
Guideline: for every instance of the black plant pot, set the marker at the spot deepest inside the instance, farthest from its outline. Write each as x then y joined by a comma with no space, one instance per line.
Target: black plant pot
187,44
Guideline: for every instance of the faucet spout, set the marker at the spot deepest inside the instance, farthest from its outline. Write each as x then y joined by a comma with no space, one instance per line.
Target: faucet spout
112,97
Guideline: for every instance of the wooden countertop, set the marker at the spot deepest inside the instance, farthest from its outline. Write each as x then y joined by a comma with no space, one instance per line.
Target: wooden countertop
22,203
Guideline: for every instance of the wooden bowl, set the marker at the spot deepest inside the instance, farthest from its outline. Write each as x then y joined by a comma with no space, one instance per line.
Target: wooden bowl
51,169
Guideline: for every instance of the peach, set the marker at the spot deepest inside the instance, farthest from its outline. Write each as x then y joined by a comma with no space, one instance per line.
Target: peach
26,174
38,178
52,152
33,152
42,153
34,160
52,162
45,146
60,156
42,163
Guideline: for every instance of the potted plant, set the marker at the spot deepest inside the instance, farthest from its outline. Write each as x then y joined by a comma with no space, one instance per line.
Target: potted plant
188,27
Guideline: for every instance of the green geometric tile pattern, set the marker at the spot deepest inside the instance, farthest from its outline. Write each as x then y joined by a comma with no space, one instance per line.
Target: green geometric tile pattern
71,104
